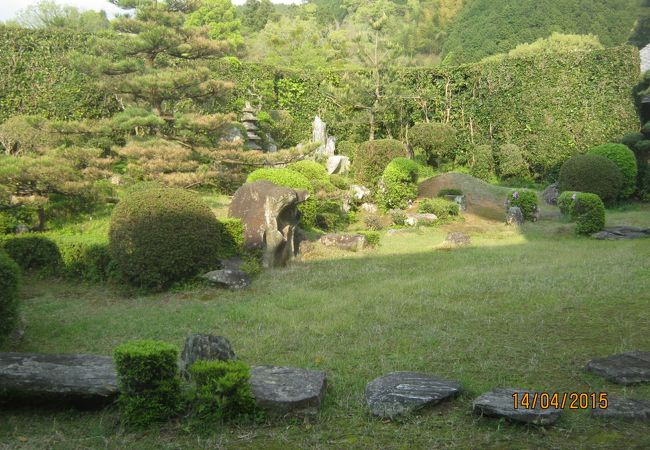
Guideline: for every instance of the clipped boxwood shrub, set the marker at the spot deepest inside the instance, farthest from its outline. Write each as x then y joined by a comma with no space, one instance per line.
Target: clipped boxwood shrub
399,183
294,180
624,159
594,174
222,390
85,258
340,182
9,282
441,207
526,201
34,253
589,213
150,388
565,202
481,162
372,157
437,140
161,236
311,170
372,237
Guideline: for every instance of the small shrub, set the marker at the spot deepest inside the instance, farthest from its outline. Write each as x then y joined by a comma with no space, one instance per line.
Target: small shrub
9,282
399,183
150,389
372,237
481,162
330,216
222,391
449,191
511,162
594,174
437,140
34,253
85,258
526,201
624,159
160,236
372,158
565,202
399,217
373,222
311,170
442,208
589,213
233,238
294,180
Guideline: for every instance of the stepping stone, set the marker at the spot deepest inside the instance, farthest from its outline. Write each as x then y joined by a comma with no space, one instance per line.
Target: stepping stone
287,390
623,368
623,408
500,403
401,393
623,232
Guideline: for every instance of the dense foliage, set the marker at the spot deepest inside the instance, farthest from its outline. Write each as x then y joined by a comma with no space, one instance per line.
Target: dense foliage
437,141
589,213
161,236
441,207
526,201
398,183
34,253
372,157
624,159
511,162
150,388
9,282
481,161
565,202
594,174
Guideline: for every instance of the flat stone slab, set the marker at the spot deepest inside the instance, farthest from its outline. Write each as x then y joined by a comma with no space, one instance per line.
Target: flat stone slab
58,377
622,232
349,242
500,403
623,368
623,408
400,393
288,390
228,278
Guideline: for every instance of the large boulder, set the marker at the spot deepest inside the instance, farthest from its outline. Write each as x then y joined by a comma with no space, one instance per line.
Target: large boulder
270,216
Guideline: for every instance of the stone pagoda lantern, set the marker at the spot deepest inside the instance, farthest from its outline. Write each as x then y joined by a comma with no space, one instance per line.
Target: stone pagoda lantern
249,120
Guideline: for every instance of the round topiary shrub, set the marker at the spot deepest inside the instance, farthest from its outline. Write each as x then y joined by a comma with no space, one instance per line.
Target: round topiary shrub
436,140
310,170
34,253
294,180
399,183
161,236
565,202
592,173
372,157
526,201
9,281
624,159
589,213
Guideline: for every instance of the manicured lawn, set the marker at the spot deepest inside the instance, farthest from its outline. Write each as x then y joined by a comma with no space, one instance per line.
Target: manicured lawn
515,309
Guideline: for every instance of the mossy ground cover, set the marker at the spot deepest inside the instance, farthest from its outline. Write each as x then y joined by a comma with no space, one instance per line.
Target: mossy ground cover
521,308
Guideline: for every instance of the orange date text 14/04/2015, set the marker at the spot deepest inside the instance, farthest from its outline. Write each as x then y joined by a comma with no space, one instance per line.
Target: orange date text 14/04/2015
560,400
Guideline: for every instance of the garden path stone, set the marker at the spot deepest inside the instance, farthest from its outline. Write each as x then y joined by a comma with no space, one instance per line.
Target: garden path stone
500,403
228,278
288,390
400,393
623,368
623,408
622,232
205,347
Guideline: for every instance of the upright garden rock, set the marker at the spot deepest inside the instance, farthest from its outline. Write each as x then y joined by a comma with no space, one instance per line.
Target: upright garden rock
514,216
270,217
205,347
338,164
623,368
288,390
551,194
500,403
400,393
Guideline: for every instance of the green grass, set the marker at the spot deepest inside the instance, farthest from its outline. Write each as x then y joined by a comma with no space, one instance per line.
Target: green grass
523,309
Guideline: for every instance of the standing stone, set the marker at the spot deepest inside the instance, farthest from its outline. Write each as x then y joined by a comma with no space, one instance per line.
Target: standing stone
270,217
330,146
350,242
287,390
623,368
319,131
205,347
623,408
514,216
551,194
400,393
500,403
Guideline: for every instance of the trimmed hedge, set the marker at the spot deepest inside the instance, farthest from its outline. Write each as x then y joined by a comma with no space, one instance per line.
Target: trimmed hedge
372,158
399,183
624,159
34,252
9,282
589,213
441,207
150,388
526,201
565,202
311,170
594,174
294,180
223,390
161,236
